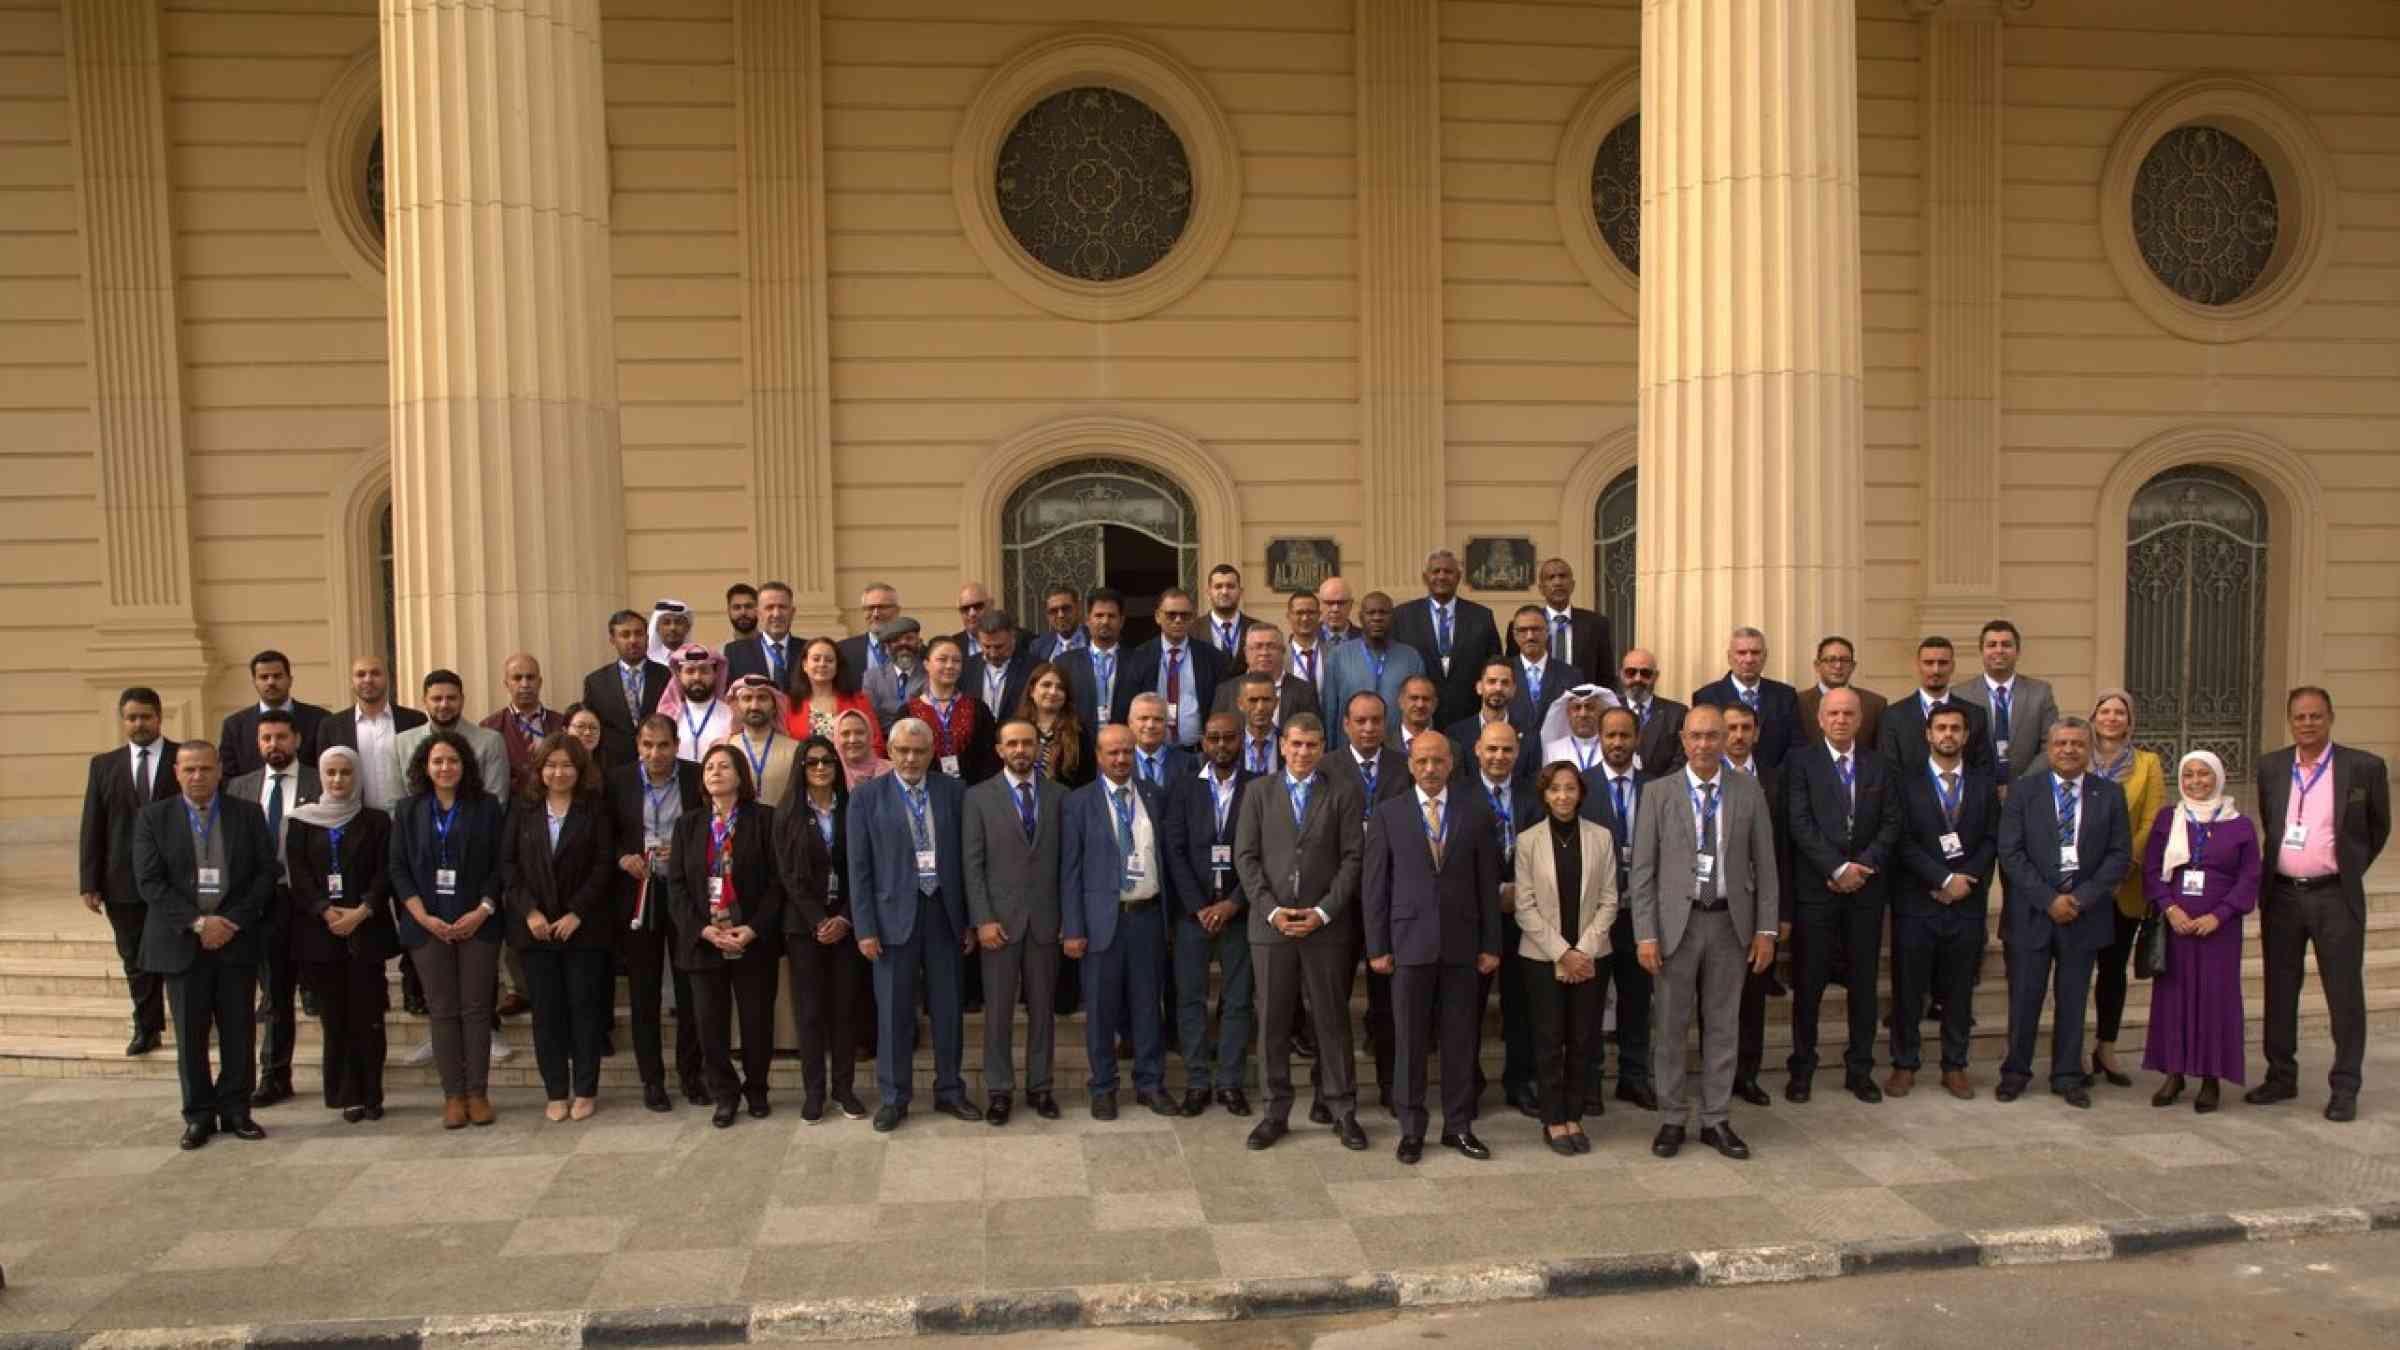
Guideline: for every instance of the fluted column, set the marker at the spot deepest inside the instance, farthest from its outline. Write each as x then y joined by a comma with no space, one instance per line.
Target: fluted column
507,484
1400,288
1751,474
782,150
145,631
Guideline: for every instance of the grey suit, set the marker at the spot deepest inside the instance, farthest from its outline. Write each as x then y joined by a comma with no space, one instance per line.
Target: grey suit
1015,884
887,694
2017,747
1312,866
1704,954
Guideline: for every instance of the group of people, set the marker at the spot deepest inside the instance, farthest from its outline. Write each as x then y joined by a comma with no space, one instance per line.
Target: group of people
994,816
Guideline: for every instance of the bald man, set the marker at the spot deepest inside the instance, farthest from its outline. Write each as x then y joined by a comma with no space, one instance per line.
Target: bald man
1844,806
523,721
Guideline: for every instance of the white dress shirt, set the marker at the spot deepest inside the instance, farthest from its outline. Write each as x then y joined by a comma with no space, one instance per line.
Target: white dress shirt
1145,842
378,763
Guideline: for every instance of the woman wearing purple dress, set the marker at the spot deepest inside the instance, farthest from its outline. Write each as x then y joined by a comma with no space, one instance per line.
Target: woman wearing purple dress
2201,871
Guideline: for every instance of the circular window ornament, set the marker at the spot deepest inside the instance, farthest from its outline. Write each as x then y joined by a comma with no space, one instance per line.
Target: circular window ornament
1597,189
2216,208
345,169
1095,177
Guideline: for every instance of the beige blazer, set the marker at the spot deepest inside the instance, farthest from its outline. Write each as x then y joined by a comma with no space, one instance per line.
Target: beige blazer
1537,893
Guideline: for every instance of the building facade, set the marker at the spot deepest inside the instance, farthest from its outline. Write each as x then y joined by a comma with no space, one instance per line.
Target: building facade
446,329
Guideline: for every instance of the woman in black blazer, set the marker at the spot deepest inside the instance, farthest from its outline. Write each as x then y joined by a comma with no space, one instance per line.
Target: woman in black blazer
335,854
728,901
445,878
558,864
829,976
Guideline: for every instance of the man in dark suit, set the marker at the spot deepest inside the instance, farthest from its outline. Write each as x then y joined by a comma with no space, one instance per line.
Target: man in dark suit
2065,843
1206,894
1095,671
1155,760
1112,898
1296,848
279,784
1845,823
1227,625
1174,667
626,690
1578,637
772,651
1776,703
908,901
1541,676
995,676
1949,849
1612,794
1741,746
1367,763
1496,703
1011,836
2327,813
1512,805
237,741
1431,901
1264,655
1837,661
864,652
1062,624
1903,733
1658,722
645,799
371,725
1454,636
120,783
205,867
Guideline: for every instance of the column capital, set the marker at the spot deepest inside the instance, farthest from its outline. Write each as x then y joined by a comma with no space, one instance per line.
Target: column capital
1968,9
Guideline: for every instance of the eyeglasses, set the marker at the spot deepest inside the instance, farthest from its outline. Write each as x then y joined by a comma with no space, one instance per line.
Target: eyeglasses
975,608
1641,672
818,762
1059,609
1166,614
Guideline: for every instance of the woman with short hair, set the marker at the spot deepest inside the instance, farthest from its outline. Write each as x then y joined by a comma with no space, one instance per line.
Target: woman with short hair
445,879
1566,876
729,899
557,869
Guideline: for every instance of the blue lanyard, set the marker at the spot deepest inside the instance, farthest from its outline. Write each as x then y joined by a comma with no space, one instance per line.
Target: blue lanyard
1367,770
720,842
1221,797
919,810
1949,800
1533,686
1376,660
1702,817
1104,672
2199,833
1847,769
1299,795
1583,757
695,728
531,728
334,849
442,820
758,760
1439,841
203,828
1120,800
1506,813
824,825
2324,762
942,712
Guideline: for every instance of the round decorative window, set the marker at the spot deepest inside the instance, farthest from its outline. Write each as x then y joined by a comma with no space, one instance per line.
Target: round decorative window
2204,214
1617,192
371,184
1094,184
345,169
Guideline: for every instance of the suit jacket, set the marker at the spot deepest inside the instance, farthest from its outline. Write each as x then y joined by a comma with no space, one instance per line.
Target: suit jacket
1776,784
757,887
1779,725
1538,908
1591,644
1870,715
1464,732
341,728
1474,638
815,870
166,871
1823,840
1174,762
1083,687
111,800
1391,776
2031,710
604,694
1902,733
2029,844
237,741
748,656
1600,806
1923,866
415,856
1293,695
1193,837
883,858
853,650
1666,840
1230,664
1090,863
1203,667
519,746
1659,750
1557,678
624,796
970,643
365,858
888,694
577,877
1011,881
1012,686
1047,646
1322,855
491,754
1350,670
2362,794
1422,914
252,788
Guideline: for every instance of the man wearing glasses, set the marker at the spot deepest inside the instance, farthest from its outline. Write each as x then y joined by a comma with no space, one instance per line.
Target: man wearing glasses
1062,608
1179,670
1837,661
1658,748
863,652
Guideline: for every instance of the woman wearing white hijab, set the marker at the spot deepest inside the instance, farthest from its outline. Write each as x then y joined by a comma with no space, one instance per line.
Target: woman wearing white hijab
341,894
2200,871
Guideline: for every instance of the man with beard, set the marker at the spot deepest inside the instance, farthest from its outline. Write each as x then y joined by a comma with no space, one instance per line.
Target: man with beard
1371,663
670,629
370,725
525,722
279,784
271,677
445,710
774,757
901,677
701,717
1612,792
1201,810
623,692
123,781
1496,704
1578,637
741,611
769,649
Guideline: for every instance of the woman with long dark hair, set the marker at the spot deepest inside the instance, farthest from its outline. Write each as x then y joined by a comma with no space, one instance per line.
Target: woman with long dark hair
818,699
557,867
829,976
728,898
1066,757
445,879
336,851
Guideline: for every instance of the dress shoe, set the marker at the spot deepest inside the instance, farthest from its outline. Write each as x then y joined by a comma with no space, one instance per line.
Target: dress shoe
1319,1113
454,1113
850,1106
812,1109
697,1095
308,1003
2170,1091
2102,1072
1796,1090
1725,1141
723,1116
654,1096
555,1111
1563,1145
1640,1094
270,1092
2206,1102
961,1109
1749,1090
1234,1101
1353,1135
1104,1106
1195,1101
244,1127
374,1112
1527,1102
1581,1141
1466,1144
197,1134
1159,1103
479,1109
761,1108
2009,1090
354,1114
2342,1108
2078,1096
2270,1092
1411,1150
1264,1134
1899,1082
995,1109
1863,1088
1043,1104
512,1005
888,1118
1669,1141
144,1041
1956,1081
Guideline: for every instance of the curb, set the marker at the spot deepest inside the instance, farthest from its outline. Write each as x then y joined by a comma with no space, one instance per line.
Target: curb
840,1319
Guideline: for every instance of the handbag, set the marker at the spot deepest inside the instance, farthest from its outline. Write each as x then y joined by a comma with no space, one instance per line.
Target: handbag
2150,947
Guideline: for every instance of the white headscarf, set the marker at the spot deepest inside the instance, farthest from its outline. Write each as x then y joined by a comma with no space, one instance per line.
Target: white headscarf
658,649
329,812
1558,738
2214,807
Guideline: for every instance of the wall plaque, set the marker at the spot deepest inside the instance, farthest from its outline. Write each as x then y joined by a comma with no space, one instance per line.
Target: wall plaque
1295,565
1504,564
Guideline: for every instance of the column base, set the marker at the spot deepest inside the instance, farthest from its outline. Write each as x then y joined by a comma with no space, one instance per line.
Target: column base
167,655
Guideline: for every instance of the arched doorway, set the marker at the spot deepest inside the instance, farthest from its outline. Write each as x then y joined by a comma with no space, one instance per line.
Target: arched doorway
1098,522
1613,534
2195,614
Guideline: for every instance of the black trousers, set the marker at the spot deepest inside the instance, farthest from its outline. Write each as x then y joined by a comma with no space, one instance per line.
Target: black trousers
1566,1036
214,995
2290,918
830,985
1624,968
1322,963
718,988
1856,922
2108,994
572,997
1934,955
1516,1018
1379,1022
350,1014
1752,1050
1419,993
644,951
148,989
281,969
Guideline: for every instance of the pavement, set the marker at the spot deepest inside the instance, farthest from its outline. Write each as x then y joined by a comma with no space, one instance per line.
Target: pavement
104,1223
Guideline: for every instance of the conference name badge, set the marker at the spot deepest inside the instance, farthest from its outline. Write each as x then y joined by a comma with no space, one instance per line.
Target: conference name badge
2068,860
1951,848
445,881
211,879
2295,835
926,869
950,765
2195,881
1220,856
333,886
716,892
1704,867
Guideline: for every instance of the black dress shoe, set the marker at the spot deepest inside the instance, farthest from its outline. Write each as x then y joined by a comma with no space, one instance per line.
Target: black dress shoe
2342,1108
1411,1150
1865,1090
1749,1090
1527,1103
888,1118
1465,1143
308,1003
1043,1104
144,1041
1104,1106
654,1096
1562,1144
1353,1134
2009,1089
1319,1113
1669,1141
850,1106
2078,1096
1195,1101
761,1108
1640,1094
961,1109
1725,1141
1264,1134
196,1135
1797,1090
374,1112
354,1114
995,1109
722,1118
1160,1103
1581,1141
1234,1102
812,1109
2170,1091
2102,1071
2206,1103
270,1092
697,1095
2269,1093
245,1128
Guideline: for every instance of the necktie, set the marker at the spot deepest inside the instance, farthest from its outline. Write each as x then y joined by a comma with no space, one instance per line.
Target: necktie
1441,630
1104,674
1504,817
1258,756
2066,814
875,654
1025,809
920,829
1299,806
1641,713
275,807
1225,637
1366,774
1124,801
1841,765
2000,721
1950,795
1433,828
1708,818
1617,792
141,775
1750,697
1533,683
1174,691
632,680
1308,665
1150,769
775,660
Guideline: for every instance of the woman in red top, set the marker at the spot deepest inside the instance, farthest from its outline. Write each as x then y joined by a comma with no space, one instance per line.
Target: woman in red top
817,697
963,733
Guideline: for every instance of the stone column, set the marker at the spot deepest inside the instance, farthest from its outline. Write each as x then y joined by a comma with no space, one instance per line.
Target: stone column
506,477
782,102
145,632
1401,466
1751,493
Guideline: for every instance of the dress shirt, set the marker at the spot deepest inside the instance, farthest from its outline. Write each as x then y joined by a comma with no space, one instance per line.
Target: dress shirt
1747,693
1145,842
659,810
995,684
378,766
1317,784
1151,766
1258,753
2074,787
1226,634
1107,664
696,734
1561,623
1445,620
1748,766
2316,857
133,767
1309,664
1439,799
1958,778
1185,712
1930,702
1693,783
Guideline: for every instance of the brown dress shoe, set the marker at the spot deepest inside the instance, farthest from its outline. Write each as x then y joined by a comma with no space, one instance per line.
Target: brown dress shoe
454,1113
1899,1082
479,1109
1956,1081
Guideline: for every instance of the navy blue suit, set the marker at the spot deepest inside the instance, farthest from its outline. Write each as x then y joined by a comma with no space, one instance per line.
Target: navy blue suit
1194,882
1935,942
1126,962
1083,687
1203,666
921,934
1557,678
2030,858
1434,921
1780,730
1828,832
